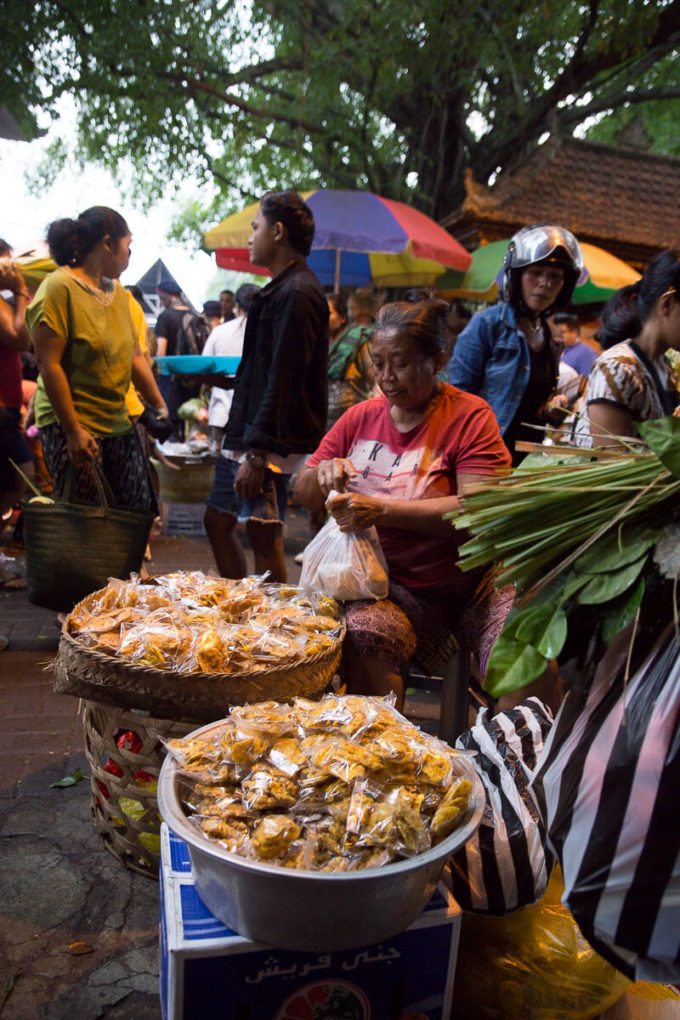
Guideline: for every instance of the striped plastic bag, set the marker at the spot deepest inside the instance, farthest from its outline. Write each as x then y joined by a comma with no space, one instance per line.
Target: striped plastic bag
505,865
608,787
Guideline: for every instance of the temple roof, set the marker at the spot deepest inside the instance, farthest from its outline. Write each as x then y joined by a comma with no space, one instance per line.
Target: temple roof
625,200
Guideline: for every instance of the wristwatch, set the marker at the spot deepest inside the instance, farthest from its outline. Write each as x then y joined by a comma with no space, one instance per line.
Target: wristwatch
256,460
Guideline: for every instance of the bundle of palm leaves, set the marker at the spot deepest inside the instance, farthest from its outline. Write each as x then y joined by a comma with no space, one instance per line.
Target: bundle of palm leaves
571,534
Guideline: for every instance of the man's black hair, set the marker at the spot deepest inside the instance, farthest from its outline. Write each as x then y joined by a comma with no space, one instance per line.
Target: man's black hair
290,209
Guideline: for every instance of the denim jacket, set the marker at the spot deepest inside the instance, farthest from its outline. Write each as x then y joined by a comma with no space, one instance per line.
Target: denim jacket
491,358
281,389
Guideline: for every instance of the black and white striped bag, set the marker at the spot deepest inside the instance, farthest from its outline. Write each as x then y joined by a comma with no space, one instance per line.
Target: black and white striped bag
608,787
505,865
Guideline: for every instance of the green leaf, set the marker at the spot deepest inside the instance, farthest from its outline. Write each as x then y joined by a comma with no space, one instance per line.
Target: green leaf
613,551
618,616
545,628
512,665
605,587
572,584
663,437
71,780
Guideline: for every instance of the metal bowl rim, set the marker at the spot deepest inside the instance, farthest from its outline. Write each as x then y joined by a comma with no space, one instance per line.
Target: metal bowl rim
177,821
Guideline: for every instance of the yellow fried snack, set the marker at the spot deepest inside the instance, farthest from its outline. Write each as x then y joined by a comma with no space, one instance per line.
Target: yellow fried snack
233,834
210,652
227,626
273,835
314,622
436,767
339,800
344,758
316,644
109,642
285,754
452,808
326,605
244,747
268,717
394,746
348,714
265,787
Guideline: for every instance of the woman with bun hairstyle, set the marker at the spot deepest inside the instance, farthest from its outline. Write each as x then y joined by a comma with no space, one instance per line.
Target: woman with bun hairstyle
400,461
506,353
632,379
88,351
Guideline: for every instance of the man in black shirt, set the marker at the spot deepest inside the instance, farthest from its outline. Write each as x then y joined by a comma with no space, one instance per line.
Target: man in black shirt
278,413
169,332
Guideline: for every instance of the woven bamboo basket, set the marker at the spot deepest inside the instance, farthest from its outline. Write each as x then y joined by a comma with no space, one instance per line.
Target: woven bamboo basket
124,806
191,484
198,697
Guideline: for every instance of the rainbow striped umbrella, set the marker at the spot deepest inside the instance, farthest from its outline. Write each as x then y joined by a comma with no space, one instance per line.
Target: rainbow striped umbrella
360,238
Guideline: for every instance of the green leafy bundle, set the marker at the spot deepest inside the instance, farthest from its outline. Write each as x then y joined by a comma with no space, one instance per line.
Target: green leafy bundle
567,535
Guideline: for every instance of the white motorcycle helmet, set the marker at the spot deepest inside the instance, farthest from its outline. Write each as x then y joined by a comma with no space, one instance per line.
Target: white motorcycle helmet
542,244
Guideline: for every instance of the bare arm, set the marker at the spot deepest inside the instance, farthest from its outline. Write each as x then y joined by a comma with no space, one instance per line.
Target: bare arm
161,346
355,511
49,348
13,332
607,422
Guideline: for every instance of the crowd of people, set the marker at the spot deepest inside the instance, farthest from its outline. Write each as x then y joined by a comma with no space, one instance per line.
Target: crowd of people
373,412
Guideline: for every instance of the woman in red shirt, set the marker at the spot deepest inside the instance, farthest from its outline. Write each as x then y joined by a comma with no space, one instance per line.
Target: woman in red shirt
400,462
14,338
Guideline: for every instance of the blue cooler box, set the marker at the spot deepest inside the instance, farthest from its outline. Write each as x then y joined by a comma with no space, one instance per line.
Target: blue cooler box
209,972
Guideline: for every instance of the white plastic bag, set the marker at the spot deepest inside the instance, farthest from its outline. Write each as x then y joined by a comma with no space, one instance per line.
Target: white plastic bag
346,566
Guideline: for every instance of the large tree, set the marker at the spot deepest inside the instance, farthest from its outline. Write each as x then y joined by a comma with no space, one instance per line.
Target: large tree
391,95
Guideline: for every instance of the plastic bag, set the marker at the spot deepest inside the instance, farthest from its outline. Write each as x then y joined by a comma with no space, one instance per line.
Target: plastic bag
533,965
505,865
607,787
347,566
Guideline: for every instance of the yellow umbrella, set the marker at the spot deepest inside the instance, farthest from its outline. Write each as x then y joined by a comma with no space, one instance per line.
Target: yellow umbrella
34,271
603,275
35,263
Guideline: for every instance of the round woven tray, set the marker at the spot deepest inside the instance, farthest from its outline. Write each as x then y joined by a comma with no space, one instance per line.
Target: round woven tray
124,806
199,697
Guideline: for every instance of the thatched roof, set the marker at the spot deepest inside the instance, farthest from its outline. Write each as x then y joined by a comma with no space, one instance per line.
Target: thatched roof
623,199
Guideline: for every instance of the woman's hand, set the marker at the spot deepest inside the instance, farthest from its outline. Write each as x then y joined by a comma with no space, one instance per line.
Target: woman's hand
335,474
353,511
81,446
11,278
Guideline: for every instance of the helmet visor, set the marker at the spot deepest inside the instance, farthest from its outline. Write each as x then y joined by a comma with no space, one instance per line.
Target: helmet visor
537,244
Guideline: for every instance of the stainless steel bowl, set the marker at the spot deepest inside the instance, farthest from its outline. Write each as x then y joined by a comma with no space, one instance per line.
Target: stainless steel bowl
309,910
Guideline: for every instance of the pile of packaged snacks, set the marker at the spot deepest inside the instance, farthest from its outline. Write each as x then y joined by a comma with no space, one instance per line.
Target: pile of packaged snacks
188,622
340,784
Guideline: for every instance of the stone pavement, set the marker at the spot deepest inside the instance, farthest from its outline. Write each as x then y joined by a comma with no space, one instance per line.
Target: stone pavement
58,884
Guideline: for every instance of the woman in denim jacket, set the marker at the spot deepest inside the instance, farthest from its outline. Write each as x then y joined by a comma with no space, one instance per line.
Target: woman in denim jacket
506,353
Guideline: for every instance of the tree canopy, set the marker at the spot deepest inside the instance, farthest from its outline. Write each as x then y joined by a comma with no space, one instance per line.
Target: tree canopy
388,95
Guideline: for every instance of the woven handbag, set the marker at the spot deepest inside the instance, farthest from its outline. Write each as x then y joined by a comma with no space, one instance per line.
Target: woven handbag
73,549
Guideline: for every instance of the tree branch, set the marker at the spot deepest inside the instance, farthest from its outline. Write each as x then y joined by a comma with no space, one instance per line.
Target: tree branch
574,115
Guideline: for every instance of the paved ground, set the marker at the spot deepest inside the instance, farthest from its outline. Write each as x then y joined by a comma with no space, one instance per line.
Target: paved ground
58,884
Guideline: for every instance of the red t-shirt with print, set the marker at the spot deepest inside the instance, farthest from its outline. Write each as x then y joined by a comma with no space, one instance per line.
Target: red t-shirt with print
459,436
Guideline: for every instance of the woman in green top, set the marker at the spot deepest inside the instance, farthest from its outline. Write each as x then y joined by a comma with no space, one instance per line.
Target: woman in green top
88,351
